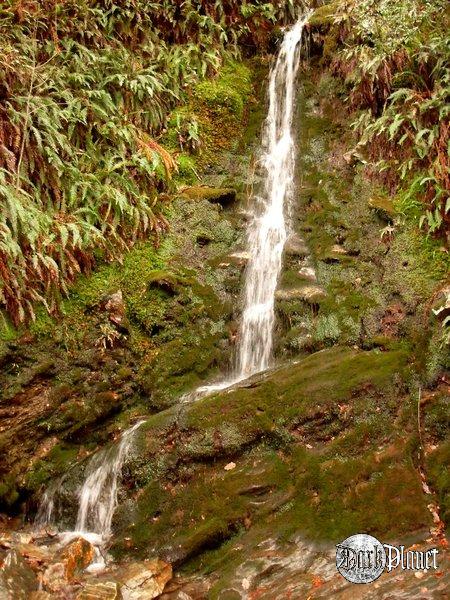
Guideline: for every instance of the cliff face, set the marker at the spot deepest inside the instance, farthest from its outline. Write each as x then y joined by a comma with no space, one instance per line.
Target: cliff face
244,493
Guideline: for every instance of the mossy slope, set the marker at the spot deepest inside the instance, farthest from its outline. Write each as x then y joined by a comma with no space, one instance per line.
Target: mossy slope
313,445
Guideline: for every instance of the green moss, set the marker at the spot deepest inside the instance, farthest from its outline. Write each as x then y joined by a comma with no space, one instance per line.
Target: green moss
333,497
218,195
437,416
384,206
60,458
208,510
327,329
187,169
326,377
8,490
313,445
324,16
180,366
228,91
438,471
216,95
415,265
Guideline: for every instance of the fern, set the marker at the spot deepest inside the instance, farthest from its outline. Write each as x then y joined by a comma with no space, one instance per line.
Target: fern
86,87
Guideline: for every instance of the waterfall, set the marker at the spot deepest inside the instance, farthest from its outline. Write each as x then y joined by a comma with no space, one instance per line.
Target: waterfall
98,495
266,238
267,231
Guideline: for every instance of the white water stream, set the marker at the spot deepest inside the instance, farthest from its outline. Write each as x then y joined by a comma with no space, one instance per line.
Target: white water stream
267,232
97,498
266,238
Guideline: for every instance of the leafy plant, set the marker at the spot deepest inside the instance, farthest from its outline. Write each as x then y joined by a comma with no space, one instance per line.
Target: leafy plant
396,65
86,87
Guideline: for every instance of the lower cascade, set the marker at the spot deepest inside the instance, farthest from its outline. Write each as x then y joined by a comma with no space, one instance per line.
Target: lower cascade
267,234
97,496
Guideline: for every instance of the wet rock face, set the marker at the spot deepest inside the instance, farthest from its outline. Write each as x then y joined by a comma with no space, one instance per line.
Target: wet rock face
310,445
159,333
39,567
144,580
272,570
17,579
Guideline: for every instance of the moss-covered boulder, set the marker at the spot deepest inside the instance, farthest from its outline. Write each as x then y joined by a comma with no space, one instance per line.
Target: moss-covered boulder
222,196
321,448
324,15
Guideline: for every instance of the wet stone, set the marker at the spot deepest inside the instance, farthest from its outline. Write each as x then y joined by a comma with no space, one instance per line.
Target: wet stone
17,579
78,555
295,246
239,258
54,577
308,293
108,590
145,580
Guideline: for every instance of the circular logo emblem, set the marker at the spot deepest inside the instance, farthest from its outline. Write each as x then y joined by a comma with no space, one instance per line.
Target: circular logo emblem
360,558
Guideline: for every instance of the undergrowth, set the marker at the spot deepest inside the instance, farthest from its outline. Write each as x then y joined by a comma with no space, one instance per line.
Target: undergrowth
395,60
85,92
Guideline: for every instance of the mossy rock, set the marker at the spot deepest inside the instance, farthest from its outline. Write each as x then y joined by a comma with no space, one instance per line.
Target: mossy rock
384,206
324,16
310,447
166,281
309,293
222,196
179,367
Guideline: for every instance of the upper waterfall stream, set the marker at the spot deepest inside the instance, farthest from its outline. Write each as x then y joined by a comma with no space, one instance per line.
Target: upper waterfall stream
267,234
268,228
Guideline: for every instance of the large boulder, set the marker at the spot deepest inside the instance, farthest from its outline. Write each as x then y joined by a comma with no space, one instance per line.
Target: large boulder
313,444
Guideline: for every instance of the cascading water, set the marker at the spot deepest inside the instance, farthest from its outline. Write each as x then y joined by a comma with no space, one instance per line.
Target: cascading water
268,231
98,495
266,238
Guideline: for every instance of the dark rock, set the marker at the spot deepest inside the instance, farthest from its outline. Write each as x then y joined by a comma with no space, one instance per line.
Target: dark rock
115,307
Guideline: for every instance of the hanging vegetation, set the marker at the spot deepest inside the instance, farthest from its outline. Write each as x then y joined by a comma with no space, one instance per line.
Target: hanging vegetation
85,90
395,59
